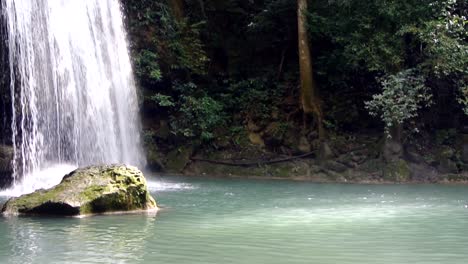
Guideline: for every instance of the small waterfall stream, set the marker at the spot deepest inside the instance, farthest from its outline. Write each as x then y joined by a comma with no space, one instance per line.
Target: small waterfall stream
74,100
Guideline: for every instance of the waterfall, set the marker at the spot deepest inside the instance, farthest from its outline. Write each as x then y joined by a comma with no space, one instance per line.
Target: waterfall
74,101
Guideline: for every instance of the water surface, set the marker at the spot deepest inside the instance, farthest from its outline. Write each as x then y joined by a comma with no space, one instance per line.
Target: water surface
246,221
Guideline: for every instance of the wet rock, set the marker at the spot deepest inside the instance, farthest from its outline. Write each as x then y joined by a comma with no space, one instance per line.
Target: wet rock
6,169
178,159
86,191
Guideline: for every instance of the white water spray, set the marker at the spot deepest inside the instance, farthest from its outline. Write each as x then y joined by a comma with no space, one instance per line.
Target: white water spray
73,95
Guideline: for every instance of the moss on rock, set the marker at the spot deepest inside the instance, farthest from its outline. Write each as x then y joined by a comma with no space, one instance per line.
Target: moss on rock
178,159
85,191
398,171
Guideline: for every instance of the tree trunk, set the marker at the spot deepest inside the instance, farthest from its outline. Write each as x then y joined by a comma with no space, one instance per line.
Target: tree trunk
309,98
202,8
177,7
393,148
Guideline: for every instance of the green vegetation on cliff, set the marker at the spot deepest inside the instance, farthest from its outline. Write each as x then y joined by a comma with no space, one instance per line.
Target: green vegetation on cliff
270,78
225,75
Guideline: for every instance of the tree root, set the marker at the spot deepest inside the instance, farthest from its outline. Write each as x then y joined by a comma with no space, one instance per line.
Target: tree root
254,163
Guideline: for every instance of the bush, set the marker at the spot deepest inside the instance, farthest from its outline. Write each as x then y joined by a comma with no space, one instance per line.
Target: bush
254,98
403,94
198,117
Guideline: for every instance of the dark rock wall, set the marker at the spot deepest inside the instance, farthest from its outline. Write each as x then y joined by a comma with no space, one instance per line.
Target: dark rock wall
5,102
6,170
5,107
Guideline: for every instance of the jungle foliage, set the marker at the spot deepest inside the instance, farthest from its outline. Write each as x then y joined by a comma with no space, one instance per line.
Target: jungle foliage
213,66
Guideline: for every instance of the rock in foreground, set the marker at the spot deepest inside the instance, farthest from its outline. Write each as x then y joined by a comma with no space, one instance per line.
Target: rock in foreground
85,191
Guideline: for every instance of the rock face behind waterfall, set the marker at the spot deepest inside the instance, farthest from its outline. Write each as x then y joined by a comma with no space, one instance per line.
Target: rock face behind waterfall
6,156
86,191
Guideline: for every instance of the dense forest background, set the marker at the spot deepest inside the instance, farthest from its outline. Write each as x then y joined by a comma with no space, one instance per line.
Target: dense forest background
221,82
224,76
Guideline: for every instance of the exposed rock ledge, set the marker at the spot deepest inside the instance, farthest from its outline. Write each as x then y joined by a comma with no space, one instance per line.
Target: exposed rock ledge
87,191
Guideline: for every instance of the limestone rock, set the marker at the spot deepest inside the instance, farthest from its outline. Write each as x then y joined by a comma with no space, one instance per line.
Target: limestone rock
87,191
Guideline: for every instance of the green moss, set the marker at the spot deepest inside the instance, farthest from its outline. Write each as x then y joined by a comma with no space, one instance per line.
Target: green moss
178,159
93,192
88,191
397,171
284,171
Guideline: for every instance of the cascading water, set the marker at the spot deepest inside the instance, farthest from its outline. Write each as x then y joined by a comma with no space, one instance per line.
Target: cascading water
72,90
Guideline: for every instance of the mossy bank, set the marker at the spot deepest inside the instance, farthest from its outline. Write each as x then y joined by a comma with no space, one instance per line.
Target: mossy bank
353,159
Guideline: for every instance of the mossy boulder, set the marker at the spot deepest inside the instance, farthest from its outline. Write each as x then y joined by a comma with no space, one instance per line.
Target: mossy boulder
398,171
446,160
87,191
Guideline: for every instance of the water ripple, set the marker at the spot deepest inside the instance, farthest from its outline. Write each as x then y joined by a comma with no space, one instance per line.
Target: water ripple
213,222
